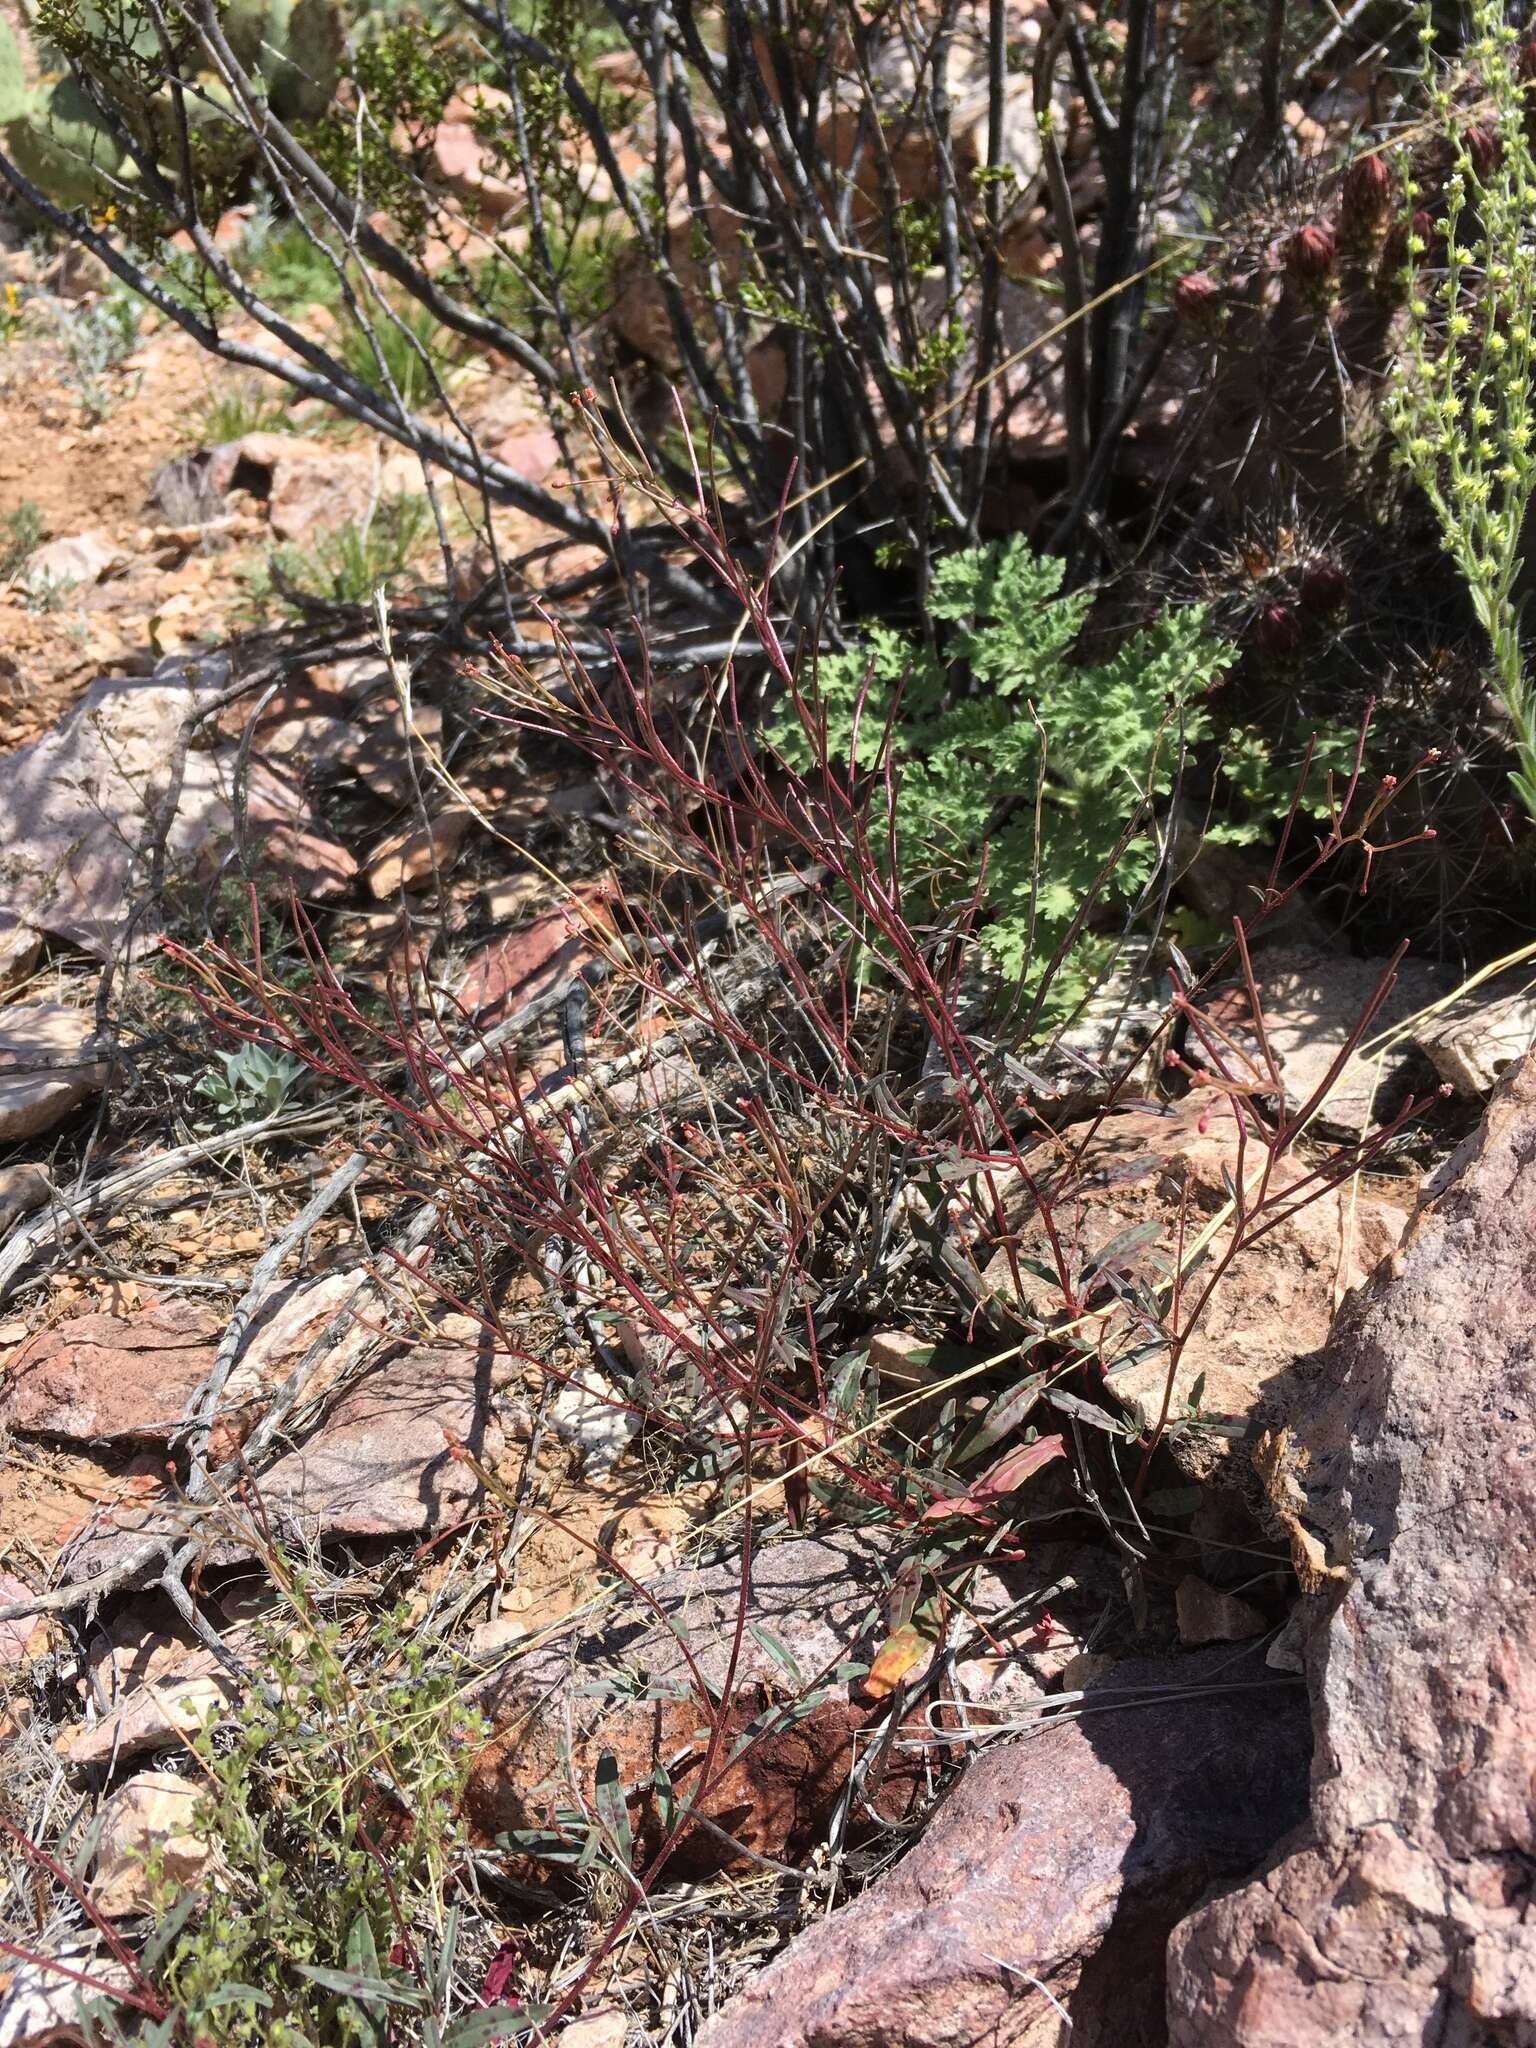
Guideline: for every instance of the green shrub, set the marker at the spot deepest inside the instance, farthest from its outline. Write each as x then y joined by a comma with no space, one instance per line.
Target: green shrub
346,566
98,337
237,411
22,532
291,271
410,347
1010,751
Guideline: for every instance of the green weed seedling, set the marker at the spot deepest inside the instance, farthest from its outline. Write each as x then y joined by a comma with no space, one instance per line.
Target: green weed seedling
254,1081
331,1796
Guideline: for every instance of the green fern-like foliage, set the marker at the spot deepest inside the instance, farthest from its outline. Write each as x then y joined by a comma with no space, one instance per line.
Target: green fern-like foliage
1022,764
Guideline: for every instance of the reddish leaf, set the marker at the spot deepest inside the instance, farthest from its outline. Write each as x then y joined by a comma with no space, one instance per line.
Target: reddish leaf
1006,1476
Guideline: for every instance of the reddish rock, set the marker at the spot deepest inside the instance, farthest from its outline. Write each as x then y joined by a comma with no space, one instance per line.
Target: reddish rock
159,1715
98,1377
1276,1301
309,487
81,810
1410,1481
528,962
153,1811
44,1073
465,165
284,831
315,496
532,455
379,755
1040,1897
823,1601
20,1641
413,857
380,1465
1208,1615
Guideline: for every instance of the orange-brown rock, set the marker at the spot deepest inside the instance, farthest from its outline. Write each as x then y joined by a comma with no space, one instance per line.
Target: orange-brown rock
1275,1302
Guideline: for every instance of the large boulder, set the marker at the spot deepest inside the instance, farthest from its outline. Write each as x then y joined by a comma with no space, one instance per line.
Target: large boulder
1035,1910
1409,1484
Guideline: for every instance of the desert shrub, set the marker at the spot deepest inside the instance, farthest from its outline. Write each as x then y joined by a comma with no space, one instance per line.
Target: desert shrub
98,339
1047,775
404,348
22,532
332,1795
292,268
238,410
805,224
343,566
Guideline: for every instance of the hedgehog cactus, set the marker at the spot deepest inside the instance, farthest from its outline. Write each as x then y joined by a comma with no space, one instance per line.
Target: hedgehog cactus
1296,363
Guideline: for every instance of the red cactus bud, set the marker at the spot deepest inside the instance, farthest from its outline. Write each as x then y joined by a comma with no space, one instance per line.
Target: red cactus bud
1368,194
1277,630
1310,253
1484,149
1324,586
1197,295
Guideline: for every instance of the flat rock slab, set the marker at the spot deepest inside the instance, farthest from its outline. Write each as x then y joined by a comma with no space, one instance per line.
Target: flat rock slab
97,1378
101,1378
1034,1910
1276,1301
45,1071
74,562
1312,1002
1475,1042
79,808
83,808
1404,1915
380,1465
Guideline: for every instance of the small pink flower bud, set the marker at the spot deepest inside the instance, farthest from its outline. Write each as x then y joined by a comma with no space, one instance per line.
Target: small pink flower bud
1197,295
1368,194
1277,630
1311,252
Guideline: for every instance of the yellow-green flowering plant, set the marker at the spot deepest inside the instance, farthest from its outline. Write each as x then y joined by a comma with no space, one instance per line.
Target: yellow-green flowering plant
1461,407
